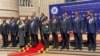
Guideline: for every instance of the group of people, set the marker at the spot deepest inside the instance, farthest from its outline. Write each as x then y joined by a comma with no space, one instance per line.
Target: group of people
27,31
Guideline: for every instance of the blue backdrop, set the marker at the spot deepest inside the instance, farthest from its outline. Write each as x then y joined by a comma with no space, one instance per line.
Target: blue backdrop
81,7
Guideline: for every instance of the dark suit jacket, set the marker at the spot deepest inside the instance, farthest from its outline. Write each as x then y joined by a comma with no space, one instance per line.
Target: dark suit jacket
27,25
0,29
54,26
4,28
33,28
66,26
45,28
36,20
41,21
92,27
14,29
77,26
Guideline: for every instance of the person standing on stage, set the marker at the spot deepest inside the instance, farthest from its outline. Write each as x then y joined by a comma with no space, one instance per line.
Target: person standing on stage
14,32
5,32
91,30
85,24
45,31
10,24
37,21
33,32
42,20
17,22
54,30
66,27
77,30
21,34
27,37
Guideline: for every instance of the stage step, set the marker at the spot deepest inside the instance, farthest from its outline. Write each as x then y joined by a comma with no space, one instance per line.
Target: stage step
83,52
9,49
12,49
86,53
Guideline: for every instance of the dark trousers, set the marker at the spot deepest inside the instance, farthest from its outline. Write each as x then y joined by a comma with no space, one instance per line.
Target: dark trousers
5,40
34,40
55,40
27,39
92,41
65,40
41,34
17,38
13,40
78,40
46,40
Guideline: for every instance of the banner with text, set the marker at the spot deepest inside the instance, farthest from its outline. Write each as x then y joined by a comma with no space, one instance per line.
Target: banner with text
81,7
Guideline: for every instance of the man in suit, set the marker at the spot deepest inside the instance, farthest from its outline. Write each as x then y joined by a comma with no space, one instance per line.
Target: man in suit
42,20
10,24
14,31
33,32
77,29
85,24
91,29
54,28
66,27
17,22
36,20
27,23
5,32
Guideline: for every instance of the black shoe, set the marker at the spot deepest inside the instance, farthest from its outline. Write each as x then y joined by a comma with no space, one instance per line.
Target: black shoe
56,47
80,48
94,50
14,46
61,49
67,48
3,46
75,48
53,47
89,49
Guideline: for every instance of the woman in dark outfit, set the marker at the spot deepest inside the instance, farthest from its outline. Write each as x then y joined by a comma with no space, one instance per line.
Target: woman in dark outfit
45,32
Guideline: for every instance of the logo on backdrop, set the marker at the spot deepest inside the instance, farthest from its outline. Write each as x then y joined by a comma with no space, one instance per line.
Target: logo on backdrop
54,10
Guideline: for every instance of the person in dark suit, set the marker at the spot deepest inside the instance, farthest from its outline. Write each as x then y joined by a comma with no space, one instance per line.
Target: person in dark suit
14,32
85,24
10,24
66,27
33,32
0,29
17,22
45,31
5,32
54,29
91,29
42,20
37,21
27,23
77,29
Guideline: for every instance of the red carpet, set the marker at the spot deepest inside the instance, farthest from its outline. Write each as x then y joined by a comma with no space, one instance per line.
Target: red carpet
29,52
38,48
